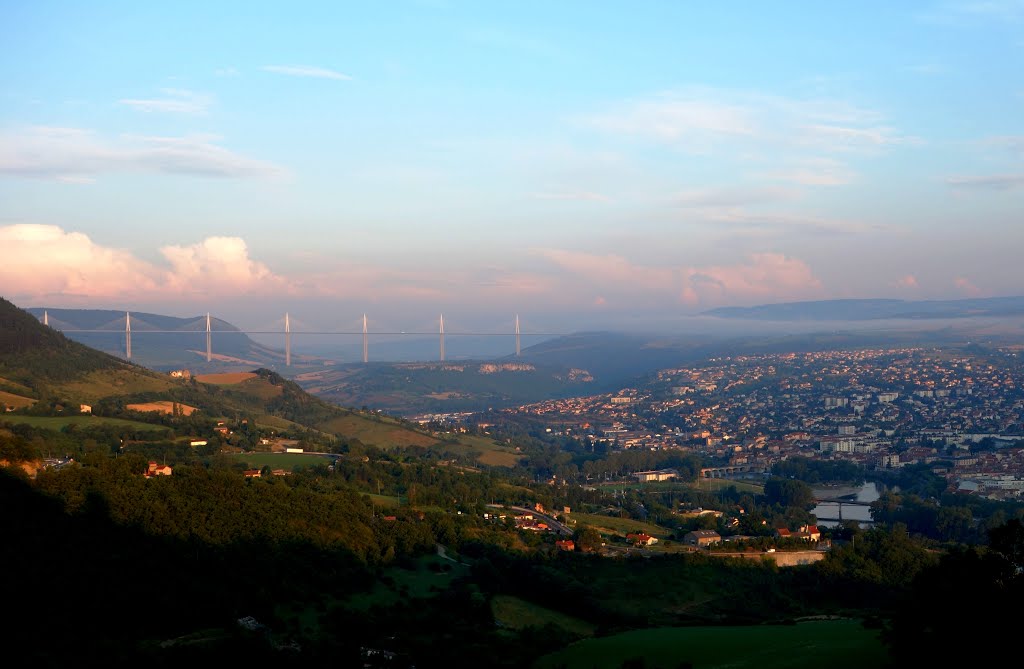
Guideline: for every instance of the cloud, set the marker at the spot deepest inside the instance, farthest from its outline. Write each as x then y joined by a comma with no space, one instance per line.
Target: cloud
307,71
802,224
734,196
43,260
47,261
991,182
908,281
844,137
814,172
1012,143
760,276
218,265
965,286
77,154
699,119
677,120
176,101
582,196
764,276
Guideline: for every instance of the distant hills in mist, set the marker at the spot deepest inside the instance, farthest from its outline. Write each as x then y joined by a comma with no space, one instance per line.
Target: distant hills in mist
582,363
876,309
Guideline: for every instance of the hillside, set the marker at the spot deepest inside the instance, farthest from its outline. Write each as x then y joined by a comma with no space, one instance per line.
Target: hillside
875,309
164,343
43,374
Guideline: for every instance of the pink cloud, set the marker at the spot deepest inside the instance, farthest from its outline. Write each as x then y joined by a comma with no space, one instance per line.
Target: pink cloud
42,260
764,276
47,261
965,286
760,276
908,281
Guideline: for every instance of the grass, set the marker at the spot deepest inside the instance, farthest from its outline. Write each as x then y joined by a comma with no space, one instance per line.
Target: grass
707,485
386,501
617,526
515,613
289,461
15,386
259,388
225,379
59,422
162,406
382,434
276,422
428,576
16,401
837,644
114,383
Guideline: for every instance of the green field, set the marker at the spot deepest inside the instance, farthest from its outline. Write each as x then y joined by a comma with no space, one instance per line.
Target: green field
59,422
288,461
381,432
836,644
114,383
515,613
616,525
386,501
428,576
707,485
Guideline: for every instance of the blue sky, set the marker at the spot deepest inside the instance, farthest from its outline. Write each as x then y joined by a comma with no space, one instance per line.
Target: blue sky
578,163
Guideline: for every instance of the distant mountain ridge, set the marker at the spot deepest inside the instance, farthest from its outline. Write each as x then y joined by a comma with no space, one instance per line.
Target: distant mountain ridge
163,342
876,309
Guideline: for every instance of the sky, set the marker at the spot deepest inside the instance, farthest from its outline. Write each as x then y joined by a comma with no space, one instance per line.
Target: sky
580,164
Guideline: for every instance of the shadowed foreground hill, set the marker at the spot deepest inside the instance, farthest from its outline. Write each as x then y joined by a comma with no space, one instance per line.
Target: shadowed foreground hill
31,351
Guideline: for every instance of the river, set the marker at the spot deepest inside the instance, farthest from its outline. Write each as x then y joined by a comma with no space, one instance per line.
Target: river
828,512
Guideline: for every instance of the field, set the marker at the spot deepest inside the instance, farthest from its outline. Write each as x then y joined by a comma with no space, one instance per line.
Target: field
386,501
707,485
162,406
837,644
616,525
16,401
428,576
58,422
382,434
113,383
225,379
515,613
287,461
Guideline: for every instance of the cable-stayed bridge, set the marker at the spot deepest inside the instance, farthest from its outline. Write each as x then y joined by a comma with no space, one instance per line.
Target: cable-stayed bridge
135,326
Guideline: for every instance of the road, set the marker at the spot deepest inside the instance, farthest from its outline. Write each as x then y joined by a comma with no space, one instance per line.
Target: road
556,526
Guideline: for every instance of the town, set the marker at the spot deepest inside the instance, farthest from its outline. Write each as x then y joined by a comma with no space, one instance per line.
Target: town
880,408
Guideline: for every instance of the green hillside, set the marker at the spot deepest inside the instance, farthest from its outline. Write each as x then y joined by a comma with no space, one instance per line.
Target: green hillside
48,377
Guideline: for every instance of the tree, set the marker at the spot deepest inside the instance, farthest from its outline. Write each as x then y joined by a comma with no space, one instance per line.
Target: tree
785,492
587,538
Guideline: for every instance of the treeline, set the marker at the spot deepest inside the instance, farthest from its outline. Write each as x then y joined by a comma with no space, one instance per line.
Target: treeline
814,471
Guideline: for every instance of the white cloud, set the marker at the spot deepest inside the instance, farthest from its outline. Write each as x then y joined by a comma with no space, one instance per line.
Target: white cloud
573,195
814,172
47,261
989,182
307,71
218,265
77,154
699,119
175,100
735,196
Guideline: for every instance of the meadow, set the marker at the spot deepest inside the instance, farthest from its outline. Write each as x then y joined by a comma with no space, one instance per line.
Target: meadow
836,644
59,422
